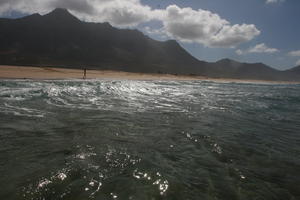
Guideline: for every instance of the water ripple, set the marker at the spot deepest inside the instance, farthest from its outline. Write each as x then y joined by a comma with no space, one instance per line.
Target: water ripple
108,139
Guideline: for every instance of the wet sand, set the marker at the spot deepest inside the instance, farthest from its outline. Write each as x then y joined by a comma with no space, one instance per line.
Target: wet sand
52,73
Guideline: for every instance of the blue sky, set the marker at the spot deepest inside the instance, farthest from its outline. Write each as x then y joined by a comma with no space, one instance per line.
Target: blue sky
278,23
243,30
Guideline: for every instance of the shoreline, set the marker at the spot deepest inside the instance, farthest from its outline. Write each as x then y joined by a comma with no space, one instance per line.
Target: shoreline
54,73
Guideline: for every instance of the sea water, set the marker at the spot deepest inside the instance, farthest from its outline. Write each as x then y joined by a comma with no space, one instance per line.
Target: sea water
177,140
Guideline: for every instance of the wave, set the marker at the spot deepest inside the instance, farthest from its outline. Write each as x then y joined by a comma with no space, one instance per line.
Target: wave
138,96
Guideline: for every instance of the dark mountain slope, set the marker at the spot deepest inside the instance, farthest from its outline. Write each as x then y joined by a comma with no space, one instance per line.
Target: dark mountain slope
227,68
61,39
293,74
295,70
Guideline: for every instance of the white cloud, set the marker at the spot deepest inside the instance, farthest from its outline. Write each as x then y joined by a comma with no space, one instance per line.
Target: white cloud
231,36
259,48
294,53
22,6
188,25
117,12
274,1
239,52
205,27
153,31
184,24
271,1
262,48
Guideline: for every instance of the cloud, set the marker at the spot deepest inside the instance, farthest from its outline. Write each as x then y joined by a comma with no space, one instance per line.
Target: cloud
259,48
294,53
262,48
231,36
205,27
274,1
153,31
239,52
120,12
22,6
117,12
184,24
82,6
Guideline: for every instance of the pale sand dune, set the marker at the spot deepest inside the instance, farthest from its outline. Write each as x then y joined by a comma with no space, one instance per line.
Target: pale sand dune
44,73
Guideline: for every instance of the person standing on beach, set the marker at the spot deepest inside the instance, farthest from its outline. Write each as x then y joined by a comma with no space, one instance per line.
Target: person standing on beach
84,73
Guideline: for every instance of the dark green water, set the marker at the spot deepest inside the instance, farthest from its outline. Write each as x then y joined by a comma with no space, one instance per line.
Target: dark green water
142,140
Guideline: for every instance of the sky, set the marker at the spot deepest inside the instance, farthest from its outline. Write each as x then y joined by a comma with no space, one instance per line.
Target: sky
253,31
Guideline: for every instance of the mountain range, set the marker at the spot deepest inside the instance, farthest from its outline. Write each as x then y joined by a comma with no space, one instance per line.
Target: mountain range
60,39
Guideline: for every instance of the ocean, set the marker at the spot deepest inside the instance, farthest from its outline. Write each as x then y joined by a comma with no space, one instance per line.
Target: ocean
140,140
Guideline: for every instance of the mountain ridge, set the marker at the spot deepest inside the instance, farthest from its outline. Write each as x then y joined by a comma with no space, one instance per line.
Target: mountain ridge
61,39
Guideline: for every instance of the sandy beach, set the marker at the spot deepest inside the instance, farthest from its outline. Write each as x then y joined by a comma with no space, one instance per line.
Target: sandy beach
53,73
